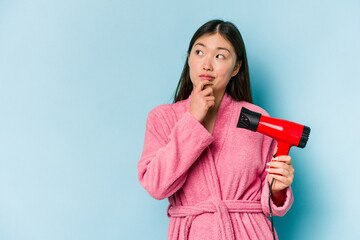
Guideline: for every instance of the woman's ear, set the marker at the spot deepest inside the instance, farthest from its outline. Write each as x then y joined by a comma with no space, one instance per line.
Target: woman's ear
236,68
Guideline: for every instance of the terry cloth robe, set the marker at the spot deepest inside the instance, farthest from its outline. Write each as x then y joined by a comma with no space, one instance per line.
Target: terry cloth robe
216,183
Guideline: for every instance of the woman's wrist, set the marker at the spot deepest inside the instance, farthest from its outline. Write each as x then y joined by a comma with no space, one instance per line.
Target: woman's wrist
278,197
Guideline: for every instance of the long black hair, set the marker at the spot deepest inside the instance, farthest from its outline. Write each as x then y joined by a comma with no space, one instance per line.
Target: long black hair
239,85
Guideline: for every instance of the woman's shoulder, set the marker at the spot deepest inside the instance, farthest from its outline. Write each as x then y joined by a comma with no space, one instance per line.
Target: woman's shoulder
169,110
252,107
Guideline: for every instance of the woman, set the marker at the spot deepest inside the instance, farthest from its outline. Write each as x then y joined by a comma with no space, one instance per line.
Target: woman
214,174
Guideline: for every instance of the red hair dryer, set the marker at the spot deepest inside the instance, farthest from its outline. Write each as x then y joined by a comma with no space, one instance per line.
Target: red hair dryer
286,133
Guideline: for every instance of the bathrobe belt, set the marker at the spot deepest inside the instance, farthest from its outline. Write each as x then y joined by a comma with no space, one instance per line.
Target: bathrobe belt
219,207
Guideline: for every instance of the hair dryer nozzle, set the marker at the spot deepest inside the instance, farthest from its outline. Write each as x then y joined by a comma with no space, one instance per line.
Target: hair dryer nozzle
304,137
249,119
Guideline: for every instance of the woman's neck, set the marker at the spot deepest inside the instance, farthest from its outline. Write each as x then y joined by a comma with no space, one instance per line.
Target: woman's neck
218,98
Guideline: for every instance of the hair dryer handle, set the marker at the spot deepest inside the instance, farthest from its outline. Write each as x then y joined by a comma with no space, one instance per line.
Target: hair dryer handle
283,149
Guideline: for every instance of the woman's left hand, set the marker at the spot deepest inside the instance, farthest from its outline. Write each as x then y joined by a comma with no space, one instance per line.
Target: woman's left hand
281,169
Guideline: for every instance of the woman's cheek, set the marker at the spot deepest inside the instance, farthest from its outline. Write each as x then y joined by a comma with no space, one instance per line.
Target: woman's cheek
224,72
224,69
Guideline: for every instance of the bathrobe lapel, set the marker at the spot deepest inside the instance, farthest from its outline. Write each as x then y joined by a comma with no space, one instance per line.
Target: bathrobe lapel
213,151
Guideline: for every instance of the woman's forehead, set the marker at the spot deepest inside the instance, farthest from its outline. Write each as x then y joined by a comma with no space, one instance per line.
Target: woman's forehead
214,40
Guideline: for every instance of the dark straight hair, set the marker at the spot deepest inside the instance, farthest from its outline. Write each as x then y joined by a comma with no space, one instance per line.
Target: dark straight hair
239,85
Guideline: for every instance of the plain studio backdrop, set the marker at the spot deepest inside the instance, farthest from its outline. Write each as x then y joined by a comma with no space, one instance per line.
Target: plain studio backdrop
78,79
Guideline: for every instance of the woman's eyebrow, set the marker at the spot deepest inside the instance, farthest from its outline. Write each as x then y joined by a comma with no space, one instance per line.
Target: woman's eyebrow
220,48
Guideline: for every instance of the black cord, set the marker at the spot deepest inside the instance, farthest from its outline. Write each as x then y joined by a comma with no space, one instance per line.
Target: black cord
271,216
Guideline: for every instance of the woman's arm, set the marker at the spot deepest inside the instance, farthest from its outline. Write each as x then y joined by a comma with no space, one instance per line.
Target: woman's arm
169,153
282,170
281,195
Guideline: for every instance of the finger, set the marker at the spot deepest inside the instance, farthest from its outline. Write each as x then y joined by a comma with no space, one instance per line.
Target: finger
281,165
210,98
206,84
202,85
283,180
199,87
210,104
208,91
281,171
275,164
283,158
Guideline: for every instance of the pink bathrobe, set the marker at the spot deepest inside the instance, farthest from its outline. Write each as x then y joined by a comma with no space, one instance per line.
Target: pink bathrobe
216,183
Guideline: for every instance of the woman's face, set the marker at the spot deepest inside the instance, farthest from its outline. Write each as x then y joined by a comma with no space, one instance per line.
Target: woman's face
212,58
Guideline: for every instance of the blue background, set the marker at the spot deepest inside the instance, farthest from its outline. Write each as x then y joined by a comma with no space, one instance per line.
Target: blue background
78,78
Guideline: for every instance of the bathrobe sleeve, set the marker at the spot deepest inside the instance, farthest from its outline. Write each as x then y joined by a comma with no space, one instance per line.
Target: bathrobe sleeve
269,145
169,152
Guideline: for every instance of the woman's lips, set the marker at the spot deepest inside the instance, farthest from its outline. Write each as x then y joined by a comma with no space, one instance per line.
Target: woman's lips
206,77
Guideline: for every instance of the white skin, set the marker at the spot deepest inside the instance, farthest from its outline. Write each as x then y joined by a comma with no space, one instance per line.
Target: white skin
212,63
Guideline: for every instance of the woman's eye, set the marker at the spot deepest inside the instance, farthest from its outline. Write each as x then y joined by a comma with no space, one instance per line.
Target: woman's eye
198,52
220,56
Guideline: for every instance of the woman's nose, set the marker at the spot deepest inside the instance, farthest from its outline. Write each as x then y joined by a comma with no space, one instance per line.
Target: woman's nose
207,65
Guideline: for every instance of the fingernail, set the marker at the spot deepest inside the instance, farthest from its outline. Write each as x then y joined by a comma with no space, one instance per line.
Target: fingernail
268,164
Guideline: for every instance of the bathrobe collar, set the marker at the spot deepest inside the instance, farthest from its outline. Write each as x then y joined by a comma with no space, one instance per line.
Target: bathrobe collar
222,122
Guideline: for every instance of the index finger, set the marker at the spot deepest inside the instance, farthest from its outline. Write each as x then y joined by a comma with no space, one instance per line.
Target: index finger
283,158
202,85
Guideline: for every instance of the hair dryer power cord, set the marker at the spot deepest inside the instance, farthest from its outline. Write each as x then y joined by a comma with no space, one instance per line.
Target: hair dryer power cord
271,216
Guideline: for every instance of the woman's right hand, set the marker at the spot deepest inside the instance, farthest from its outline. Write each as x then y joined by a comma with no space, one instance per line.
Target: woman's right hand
202,100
